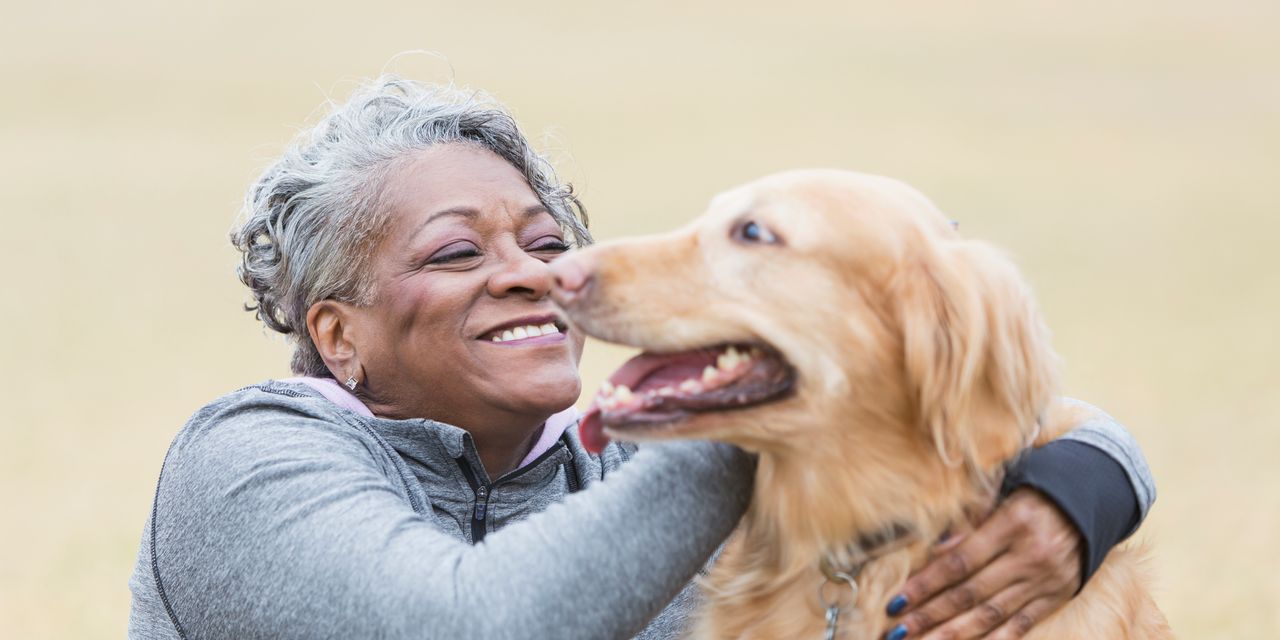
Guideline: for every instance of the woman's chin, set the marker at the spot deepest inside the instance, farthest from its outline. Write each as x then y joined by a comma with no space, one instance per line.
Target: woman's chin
546,392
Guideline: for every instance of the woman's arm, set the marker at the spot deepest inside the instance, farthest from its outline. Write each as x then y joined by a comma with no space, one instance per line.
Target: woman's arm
277,524
1069,503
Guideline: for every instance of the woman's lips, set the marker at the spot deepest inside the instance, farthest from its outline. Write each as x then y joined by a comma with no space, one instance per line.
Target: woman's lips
523,329
530,333
528,340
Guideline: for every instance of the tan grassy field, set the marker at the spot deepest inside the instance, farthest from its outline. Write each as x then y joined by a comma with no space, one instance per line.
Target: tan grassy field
1127,153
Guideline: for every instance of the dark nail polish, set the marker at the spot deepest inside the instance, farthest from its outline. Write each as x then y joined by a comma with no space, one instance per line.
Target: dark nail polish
897,633
896,605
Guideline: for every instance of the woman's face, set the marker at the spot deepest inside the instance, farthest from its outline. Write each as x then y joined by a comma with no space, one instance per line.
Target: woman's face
465,262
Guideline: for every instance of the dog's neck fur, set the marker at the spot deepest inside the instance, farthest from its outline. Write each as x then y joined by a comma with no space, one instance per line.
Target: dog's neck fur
778,547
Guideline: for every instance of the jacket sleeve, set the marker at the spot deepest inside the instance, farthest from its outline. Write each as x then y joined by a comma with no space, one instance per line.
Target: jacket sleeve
273,524
1097,476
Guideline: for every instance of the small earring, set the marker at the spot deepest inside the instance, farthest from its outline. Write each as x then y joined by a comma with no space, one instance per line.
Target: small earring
352,382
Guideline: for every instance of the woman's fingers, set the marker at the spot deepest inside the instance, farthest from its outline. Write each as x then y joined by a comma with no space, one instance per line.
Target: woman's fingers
976,605
952,567
1026,552
1020,623
982,618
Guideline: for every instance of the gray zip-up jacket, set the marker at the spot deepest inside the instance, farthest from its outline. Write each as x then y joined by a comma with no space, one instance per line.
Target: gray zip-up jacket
279,514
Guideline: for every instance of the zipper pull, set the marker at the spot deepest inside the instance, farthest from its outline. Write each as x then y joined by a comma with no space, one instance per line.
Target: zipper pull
482,502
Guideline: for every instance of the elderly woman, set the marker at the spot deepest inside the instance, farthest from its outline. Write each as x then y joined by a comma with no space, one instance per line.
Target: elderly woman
419,477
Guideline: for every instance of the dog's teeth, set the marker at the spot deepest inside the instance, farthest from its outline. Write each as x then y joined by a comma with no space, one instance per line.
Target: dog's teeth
724,361
709,373
690,386
754,353
606,388
549,328
623,394
508,335
666,391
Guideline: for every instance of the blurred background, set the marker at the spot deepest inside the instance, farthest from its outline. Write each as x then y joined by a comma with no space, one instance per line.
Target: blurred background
1128,155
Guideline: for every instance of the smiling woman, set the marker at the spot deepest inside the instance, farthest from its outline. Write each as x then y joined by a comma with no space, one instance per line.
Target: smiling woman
461,301
403,245
419,477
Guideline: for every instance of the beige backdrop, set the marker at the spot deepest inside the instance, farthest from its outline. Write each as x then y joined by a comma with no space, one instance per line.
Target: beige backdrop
1126,153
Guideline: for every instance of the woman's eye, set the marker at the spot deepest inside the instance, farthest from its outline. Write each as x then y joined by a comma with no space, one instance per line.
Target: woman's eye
551,246
454,254
752,231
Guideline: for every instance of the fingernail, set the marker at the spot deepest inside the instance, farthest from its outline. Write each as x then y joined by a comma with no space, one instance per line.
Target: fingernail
897,633
896,605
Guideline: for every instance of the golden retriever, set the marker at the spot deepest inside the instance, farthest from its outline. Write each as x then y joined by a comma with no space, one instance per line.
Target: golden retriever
883,367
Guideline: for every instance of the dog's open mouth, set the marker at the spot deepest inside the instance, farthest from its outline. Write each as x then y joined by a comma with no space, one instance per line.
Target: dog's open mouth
657,391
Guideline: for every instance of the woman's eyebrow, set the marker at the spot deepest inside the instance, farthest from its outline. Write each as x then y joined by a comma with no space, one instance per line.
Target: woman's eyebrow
461,211
471,213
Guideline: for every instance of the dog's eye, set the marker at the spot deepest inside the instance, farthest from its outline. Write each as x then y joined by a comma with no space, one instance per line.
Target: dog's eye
752,231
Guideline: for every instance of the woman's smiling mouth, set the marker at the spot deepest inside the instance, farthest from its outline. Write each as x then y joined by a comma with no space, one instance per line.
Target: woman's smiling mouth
529,330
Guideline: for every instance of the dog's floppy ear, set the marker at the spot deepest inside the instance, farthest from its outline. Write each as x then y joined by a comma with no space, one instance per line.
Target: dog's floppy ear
978,362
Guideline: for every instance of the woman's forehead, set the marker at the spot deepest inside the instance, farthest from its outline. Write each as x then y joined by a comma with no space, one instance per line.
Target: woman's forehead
460,184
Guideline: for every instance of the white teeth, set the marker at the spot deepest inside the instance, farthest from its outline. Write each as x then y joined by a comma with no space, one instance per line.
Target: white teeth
731,358
527,331
611,397
622,393
728,360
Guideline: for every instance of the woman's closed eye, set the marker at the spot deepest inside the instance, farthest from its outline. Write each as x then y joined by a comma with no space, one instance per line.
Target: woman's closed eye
549,245
456,252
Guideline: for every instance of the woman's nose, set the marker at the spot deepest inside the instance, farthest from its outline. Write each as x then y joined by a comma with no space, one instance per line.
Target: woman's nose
573,274
522,274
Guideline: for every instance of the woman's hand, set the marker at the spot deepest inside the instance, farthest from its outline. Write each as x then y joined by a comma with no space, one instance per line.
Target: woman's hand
1014,570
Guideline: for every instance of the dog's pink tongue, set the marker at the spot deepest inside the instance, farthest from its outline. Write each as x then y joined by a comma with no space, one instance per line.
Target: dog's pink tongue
591,431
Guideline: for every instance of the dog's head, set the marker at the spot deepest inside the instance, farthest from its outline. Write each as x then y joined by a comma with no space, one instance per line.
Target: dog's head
816,310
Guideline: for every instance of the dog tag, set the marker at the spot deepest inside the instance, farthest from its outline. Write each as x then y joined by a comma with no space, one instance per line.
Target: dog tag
833,621
832,606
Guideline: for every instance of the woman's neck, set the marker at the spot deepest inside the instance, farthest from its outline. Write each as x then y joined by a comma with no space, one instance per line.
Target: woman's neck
502,438
501,449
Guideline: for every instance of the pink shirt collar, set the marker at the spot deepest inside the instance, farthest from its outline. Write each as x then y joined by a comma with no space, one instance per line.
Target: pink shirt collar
552,429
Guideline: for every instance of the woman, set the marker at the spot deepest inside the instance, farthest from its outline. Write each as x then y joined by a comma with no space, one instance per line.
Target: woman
402,245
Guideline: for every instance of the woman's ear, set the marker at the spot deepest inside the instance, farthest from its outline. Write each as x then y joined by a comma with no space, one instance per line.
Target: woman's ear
332,328
977,356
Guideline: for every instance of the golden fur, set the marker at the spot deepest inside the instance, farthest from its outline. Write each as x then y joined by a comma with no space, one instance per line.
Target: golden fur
922,366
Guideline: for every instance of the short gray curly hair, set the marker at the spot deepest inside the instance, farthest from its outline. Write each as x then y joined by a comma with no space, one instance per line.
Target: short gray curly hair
312,220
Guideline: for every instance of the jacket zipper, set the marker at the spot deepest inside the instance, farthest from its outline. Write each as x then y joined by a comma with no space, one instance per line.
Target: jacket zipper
481,508
478,526
482,491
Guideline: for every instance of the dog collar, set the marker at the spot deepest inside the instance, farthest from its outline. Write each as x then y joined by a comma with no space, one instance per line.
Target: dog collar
866,548
856,555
